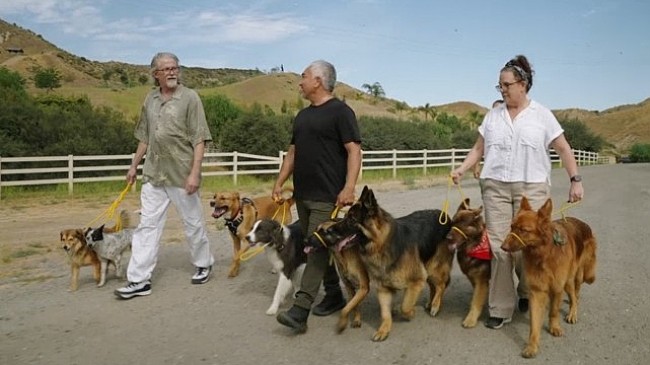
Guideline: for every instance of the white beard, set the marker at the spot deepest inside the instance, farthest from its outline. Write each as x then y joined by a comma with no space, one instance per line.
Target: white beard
171,83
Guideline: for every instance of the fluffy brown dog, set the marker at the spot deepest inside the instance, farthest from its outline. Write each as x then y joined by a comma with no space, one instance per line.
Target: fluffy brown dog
467,229
558,256
79,254
240,215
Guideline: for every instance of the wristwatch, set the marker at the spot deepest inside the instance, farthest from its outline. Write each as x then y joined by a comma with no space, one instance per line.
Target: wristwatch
576,178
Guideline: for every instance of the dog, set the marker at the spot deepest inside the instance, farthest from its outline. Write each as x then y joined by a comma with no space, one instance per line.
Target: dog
73,242
285,249
558,256
110,245
401,254
240,215
344,247
467,230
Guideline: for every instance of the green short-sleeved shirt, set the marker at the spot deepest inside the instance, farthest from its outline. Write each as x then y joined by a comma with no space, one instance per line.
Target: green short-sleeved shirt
171,129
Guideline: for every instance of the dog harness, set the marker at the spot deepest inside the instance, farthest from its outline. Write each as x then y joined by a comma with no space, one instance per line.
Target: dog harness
234,223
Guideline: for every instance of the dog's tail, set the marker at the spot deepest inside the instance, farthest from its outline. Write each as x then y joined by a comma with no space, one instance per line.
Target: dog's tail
286,198
123,221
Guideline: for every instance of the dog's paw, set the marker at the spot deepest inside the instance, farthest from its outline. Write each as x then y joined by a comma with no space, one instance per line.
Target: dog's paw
272,311
556,331
274,271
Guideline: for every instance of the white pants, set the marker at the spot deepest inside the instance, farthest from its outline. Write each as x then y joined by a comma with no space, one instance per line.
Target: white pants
154,202
501,201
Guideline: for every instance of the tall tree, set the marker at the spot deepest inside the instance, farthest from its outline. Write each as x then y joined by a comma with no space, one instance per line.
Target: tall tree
376,90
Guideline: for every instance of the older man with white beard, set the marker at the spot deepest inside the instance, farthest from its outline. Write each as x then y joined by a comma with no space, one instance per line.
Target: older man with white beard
172,132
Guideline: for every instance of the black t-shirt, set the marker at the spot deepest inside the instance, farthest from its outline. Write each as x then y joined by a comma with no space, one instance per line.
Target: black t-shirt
320,161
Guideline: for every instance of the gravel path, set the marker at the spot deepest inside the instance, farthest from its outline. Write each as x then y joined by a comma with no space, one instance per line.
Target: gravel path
223,321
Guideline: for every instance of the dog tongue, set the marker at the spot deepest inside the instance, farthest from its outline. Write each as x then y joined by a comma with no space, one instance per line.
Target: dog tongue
308,249
218,212
341,245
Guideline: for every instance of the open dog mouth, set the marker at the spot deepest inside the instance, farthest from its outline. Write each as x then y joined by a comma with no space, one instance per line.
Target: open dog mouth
347,241
219,211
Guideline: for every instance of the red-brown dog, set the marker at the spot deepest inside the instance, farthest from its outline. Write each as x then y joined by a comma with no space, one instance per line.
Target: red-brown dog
240,215
558,256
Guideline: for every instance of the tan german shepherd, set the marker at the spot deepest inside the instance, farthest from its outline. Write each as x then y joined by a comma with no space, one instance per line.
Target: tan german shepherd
403,253
558,256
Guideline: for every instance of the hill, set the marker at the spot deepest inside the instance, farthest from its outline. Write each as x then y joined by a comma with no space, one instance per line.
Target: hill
122,86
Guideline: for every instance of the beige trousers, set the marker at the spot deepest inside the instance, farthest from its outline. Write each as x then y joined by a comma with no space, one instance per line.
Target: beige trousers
501,201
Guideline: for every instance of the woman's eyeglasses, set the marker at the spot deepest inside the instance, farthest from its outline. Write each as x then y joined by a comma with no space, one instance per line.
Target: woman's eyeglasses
505,85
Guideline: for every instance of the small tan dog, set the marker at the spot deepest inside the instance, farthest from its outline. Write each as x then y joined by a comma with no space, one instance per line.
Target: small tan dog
240,215
79,254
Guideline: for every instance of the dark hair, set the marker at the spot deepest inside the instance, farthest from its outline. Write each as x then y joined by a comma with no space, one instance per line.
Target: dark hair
521,68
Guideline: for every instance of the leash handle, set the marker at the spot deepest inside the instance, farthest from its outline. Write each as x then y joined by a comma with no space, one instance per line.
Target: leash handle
110,211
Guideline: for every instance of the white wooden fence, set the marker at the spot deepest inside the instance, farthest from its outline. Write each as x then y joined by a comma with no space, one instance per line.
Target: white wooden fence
71,170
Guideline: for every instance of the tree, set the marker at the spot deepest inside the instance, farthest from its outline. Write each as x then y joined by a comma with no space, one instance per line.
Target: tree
580,137
46,78
143,79
376,90
427,109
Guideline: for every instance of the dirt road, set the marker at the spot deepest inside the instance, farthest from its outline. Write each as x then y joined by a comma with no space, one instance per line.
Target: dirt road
223,321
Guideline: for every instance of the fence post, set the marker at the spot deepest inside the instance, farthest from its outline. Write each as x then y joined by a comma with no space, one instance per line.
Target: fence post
424,164
453,158
70,174
234,167
394,163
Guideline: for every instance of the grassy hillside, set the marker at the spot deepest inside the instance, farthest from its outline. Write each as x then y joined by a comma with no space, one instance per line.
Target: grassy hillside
120,85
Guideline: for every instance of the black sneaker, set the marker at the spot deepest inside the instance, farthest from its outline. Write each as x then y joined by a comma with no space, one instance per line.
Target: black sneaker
295,317
202,275
522,305
495,323
330,304
134,290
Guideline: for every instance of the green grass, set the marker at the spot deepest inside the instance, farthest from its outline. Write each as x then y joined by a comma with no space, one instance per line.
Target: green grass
110,190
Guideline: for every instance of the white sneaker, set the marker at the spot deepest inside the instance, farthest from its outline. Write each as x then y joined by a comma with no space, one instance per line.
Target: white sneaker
202,275
134,289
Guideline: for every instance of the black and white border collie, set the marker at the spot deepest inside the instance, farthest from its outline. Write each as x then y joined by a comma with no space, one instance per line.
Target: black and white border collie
284,247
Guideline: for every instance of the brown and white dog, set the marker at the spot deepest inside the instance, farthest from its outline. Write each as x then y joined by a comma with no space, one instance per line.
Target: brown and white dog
79,254
241,213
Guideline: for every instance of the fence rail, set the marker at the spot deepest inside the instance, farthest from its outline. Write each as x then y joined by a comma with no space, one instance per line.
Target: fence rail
71,170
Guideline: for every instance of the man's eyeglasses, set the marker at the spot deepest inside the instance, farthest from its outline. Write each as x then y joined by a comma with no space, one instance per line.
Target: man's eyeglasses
168,70
505,85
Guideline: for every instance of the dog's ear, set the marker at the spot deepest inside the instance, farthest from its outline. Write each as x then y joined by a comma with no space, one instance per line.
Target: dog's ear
370,202
463,205
525,205
364,193
235,195
546,210
61,236
101,228
477,212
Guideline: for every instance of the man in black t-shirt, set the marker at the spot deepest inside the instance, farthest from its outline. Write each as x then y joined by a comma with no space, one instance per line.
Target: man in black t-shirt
324,158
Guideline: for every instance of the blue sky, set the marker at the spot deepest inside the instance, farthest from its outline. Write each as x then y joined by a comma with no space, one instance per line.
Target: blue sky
589,54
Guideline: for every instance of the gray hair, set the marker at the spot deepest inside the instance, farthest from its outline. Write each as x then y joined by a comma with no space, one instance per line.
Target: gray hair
157,57
326,72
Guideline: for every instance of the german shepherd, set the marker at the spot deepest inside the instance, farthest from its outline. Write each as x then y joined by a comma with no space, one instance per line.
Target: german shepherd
241,213
467,229
401,254
558,255
344,247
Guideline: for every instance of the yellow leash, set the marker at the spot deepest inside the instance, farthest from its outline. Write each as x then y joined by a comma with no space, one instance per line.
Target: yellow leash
282,206
109,213
444,216
248,254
